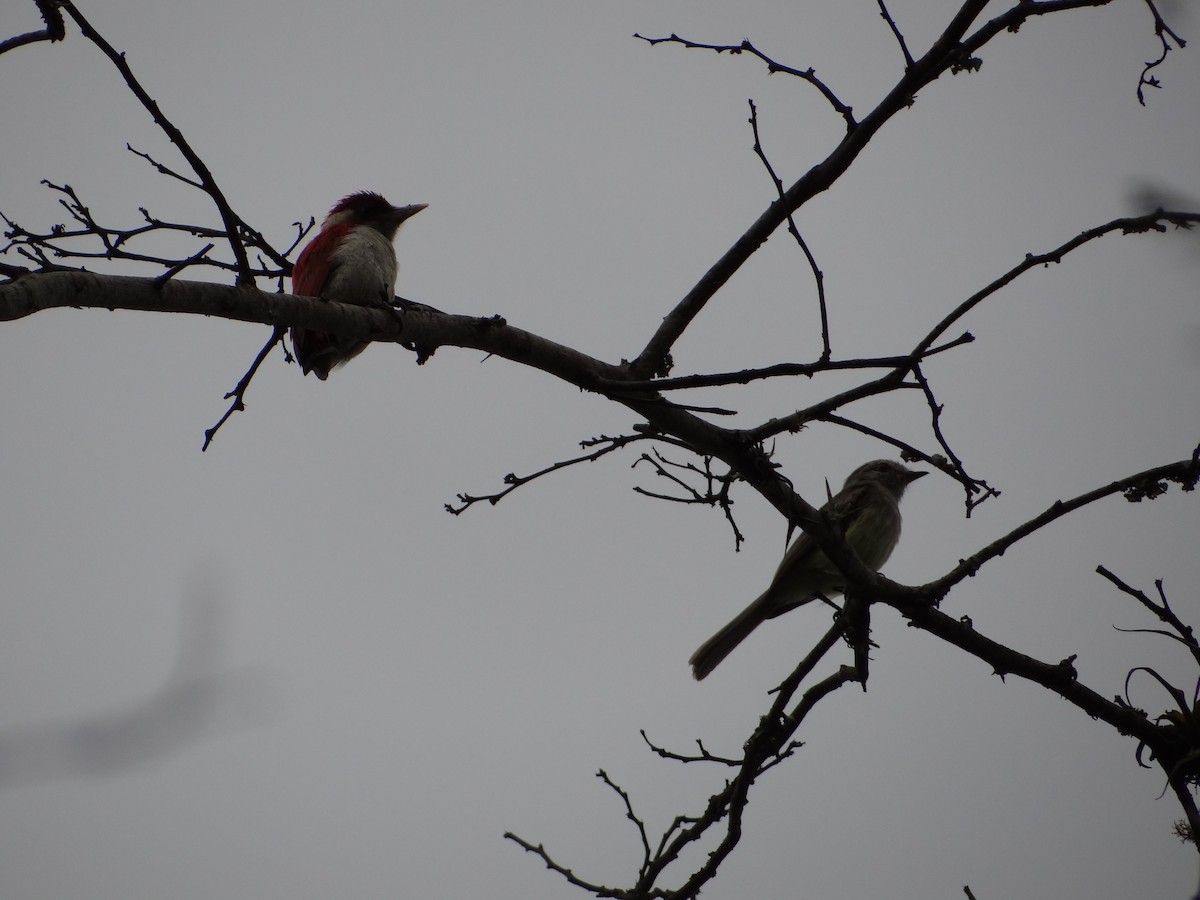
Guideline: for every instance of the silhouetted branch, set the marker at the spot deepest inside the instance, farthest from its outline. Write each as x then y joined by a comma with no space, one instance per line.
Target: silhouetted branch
808,74
571,878
228,217
702,756
514,481
1165,35
1150,483
1173,738
779,370
55,29
773,739
630,815
715,492
953,51
113,242
977,491
887,17
1183,633
239,392
772,742
163,169
818,275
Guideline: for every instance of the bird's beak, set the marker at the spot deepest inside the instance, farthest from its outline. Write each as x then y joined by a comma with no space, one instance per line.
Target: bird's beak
400,213
913,476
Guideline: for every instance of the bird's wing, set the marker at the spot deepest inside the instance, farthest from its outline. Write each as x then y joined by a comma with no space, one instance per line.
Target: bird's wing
316,263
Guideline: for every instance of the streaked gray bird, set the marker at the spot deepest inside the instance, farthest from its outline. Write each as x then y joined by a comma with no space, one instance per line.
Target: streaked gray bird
868,508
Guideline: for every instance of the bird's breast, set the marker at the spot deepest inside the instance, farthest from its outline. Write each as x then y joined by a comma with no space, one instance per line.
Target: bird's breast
364,269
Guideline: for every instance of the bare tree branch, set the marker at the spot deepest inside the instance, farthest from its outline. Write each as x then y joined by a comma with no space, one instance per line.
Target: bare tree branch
606,445
231,220
818,275
1173,738
887,17
1183,633
55,29
808,74
942,56
239,392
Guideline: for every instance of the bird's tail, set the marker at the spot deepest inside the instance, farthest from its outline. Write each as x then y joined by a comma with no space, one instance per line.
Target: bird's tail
721,644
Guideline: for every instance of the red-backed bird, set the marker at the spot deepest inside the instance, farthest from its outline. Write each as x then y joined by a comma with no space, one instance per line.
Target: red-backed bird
351,260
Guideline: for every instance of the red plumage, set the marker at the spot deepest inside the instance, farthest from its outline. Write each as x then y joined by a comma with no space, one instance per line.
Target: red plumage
312,266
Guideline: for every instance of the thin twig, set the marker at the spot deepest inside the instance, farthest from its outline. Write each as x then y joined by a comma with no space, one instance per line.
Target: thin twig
794,231
515,481
571,878
779,370
1183,632
239,393
1163,32
808,74
972,486
228,217
887,17
630,815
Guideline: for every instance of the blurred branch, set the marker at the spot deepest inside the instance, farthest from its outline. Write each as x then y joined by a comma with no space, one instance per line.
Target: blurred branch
195,701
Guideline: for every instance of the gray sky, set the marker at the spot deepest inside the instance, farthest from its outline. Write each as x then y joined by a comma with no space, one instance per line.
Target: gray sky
381,690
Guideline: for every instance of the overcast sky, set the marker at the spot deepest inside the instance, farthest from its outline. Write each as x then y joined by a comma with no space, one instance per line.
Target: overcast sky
279,670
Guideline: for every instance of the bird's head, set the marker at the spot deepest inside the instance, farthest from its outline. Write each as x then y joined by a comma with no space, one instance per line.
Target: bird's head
370,209
887,474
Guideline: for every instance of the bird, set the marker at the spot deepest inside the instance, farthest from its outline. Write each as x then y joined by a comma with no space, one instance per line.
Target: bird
868,509
351,260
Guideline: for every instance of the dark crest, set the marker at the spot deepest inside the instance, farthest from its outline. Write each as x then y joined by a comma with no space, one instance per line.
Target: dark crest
365,203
